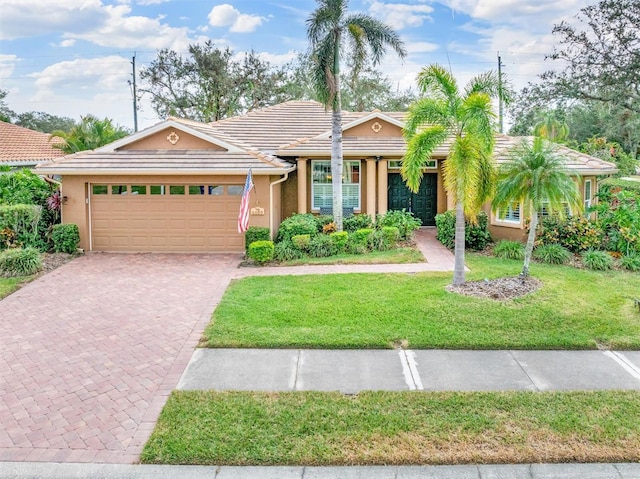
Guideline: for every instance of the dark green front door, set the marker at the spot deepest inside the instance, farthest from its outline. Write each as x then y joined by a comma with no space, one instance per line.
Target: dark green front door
422,204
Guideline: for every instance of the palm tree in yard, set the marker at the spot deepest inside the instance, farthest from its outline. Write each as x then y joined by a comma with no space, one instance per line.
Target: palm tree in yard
535,177
466,120
332,32
89,134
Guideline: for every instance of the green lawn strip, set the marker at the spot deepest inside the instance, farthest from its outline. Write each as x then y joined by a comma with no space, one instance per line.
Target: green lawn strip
396,256
575,309
313,428
9,285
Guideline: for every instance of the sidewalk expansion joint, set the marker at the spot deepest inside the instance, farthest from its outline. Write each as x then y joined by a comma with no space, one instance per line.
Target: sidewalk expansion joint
524,370
623,361
410,370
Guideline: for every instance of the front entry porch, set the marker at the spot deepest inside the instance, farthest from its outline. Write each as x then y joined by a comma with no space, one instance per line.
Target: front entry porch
423,204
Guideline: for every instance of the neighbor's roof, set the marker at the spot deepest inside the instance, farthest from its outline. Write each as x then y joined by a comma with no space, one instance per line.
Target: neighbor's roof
21,146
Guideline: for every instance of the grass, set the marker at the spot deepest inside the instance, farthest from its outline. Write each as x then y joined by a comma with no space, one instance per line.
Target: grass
312,428
9,285
396,256
575,309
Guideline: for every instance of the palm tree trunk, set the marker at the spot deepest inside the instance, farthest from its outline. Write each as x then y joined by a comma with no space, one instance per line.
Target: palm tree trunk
458,270
528,250
336,156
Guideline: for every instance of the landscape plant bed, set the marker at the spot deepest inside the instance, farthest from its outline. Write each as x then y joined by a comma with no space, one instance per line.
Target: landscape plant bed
395,256
574,309
313,428
50,261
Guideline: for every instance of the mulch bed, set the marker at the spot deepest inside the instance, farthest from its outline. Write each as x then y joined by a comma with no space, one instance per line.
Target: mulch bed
500,289
51,261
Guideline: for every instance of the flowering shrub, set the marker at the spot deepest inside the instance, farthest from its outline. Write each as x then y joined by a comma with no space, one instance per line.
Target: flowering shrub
576,233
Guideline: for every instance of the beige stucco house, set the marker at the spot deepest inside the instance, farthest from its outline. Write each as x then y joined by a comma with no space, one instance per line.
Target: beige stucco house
177,186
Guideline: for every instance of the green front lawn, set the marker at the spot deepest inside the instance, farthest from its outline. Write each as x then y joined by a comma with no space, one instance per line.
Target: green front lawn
312,428
575,309
9,285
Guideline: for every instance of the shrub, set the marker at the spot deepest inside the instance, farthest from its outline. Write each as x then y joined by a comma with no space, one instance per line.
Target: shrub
476,235
552,254
329,228
403,220
576,233
24,221
598,260
8,239
361,236
379,242
65,238
340,239
304,224
301,241
256,233
261,251
322,246
20,262
630,262
357,222
392,233
286,251
355,247
509,250
322,221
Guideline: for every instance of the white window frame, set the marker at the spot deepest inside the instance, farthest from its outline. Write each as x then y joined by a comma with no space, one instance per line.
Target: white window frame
587,200
511,215
544,212
328,186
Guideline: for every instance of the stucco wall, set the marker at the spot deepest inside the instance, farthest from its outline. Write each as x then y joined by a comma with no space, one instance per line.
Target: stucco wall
158,141
366,129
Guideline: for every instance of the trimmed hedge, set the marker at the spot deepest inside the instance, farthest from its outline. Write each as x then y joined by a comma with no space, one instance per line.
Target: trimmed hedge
261,251
256,233
303,224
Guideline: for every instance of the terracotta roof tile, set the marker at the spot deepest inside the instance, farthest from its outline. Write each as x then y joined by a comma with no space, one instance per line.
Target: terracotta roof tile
21,145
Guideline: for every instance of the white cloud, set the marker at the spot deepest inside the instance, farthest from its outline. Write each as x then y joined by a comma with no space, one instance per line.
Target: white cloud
7,65
24,18
400,15
226,15
421,47
151,2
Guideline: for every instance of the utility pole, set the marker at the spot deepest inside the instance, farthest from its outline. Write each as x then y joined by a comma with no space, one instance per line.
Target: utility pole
500,112
135,95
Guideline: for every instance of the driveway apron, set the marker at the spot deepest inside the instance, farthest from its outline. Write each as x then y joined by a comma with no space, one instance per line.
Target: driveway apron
90,352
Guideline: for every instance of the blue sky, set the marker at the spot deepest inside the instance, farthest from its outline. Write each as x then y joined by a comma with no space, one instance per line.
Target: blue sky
72,57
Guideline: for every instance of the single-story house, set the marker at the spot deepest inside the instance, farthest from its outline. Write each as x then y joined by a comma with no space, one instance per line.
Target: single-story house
177,186
24,148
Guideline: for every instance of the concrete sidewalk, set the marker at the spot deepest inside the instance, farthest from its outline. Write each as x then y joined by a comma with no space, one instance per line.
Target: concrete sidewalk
350,371
518,471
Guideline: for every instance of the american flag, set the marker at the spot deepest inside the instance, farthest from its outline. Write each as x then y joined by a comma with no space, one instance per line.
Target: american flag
243,216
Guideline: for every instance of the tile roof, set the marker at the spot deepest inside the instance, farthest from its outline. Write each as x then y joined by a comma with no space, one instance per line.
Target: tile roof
290,129
166,162
21,146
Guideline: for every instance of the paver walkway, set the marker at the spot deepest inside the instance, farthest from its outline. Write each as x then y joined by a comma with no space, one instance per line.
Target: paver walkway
90,352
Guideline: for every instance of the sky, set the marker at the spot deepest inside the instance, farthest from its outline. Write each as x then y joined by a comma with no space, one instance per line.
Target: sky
73,57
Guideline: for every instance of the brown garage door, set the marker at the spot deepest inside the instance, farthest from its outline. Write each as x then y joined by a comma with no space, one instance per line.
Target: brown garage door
171,217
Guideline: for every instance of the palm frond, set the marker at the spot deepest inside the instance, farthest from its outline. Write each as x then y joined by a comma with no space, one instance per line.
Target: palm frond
419,150
425,112
378,36
435,81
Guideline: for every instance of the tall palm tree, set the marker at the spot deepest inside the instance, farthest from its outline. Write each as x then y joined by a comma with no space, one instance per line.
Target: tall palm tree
467,120
89,134
535,177
551,128
333,32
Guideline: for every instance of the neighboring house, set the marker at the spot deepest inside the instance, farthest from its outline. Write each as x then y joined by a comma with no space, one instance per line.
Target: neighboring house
24,148
176,186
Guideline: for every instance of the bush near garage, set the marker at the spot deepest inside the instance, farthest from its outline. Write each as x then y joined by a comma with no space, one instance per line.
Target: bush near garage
66,238
261,251
256,233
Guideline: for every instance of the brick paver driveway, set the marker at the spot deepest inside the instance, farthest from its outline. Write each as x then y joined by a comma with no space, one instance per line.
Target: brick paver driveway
90,352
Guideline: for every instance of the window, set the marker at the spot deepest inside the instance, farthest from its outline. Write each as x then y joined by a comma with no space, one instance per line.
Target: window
176,190
235,189
511,214
216,190
397,164
587,194
118,189
195,190
138,190
157,189
321,188
545,210
99,189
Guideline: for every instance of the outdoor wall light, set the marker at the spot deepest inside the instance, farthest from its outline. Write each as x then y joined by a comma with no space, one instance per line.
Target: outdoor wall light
65,199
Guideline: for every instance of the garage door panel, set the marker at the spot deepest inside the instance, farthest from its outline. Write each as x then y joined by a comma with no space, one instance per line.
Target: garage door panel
165,223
